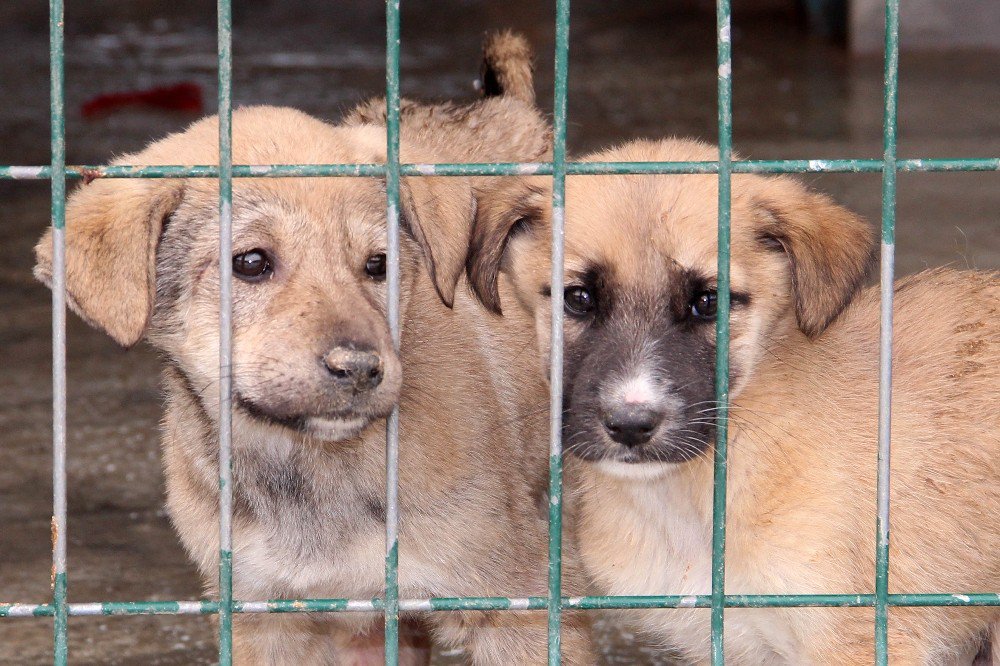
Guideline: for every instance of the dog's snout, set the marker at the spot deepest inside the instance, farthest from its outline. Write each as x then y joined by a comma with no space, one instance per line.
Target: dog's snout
359,368
632,424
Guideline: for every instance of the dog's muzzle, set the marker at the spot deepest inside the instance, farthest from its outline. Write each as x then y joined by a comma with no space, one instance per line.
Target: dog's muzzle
354,368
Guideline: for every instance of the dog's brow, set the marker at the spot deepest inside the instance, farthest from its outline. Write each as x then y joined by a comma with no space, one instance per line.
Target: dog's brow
256,228
252,199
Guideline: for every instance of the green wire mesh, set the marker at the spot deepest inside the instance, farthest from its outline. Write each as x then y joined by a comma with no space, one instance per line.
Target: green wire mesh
554,603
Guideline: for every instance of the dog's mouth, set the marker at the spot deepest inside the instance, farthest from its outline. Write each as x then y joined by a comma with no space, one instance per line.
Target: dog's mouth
329,427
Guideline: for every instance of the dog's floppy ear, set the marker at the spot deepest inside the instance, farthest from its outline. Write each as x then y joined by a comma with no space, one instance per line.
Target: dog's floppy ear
112,230
831,250
438,211
505,209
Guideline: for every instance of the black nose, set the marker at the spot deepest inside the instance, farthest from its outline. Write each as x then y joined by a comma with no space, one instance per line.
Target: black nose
632,425
354,367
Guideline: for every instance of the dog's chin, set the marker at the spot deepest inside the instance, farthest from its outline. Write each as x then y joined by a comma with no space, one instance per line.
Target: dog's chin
335,429
635,471
326,427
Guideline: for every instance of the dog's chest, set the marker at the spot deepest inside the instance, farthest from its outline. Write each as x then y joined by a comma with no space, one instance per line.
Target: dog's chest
299,534
310,561
657,542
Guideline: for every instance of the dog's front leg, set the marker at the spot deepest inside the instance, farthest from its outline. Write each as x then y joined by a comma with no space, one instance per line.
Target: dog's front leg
284,639
368,649
501,638
295,639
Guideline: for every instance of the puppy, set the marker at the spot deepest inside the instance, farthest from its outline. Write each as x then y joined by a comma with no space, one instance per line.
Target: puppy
640,304
315,373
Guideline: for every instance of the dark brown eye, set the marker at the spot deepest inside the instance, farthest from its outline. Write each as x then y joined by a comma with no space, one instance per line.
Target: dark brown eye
253,266
579,301
703,305
375,267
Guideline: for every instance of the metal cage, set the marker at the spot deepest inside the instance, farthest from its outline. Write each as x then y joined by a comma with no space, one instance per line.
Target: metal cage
554,603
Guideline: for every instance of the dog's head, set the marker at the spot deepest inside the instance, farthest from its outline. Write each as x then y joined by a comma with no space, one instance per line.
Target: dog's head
311,345
640,291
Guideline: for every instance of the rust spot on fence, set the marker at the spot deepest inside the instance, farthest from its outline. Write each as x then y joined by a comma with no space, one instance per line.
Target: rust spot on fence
54,528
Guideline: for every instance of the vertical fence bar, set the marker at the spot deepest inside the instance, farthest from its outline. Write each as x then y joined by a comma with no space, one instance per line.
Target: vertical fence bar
724,39
225,37
57,119
891,84
392,279
556,353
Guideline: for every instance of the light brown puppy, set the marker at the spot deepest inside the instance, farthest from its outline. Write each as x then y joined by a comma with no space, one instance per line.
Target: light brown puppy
640,278
315,372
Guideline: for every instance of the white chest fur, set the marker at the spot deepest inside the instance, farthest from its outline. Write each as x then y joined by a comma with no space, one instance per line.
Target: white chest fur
648,536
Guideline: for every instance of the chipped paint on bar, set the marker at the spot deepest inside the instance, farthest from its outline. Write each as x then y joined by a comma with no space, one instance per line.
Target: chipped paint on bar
556,332
225,62
889,124
391,610
57,122
725,121
25,172
23,610
925,165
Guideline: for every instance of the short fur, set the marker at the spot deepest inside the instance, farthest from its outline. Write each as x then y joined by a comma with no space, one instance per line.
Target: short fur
308,455
803,416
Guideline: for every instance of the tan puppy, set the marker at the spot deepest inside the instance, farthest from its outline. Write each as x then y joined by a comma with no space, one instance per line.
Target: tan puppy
315,372
641,256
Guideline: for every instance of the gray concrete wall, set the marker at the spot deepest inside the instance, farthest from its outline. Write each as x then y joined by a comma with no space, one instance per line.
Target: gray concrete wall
927,24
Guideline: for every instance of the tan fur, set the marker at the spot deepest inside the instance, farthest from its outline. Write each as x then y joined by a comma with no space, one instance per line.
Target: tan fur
803,425
505,124
505,47
308,508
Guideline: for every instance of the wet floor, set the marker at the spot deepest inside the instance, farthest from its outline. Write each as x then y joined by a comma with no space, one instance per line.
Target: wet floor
635,70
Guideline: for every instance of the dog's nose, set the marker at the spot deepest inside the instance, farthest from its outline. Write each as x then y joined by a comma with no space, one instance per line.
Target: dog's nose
632,424
360,369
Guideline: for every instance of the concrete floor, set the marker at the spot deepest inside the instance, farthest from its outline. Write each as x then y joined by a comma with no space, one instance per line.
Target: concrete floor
636,70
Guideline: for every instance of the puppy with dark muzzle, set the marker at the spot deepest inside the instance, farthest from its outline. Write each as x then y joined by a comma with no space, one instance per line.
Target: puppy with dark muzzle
640,412
315,373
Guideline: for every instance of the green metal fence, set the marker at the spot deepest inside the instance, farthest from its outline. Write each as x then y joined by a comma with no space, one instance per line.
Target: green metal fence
554,603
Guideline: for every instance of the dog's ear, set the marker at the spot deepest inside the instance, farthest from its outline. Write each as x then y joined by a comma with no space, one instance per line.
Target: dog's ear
438,211
112,230
831,250
507,208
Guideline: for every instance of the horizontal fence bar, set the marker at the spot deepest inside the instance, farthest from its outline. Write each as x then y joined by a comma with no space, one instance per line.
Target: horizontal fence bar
498,169
10,610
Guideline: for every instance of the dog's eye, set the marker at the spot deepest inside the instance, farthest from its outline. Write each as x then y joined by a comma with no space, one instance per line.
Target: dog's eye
375,266
579,301
253,266
703,305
